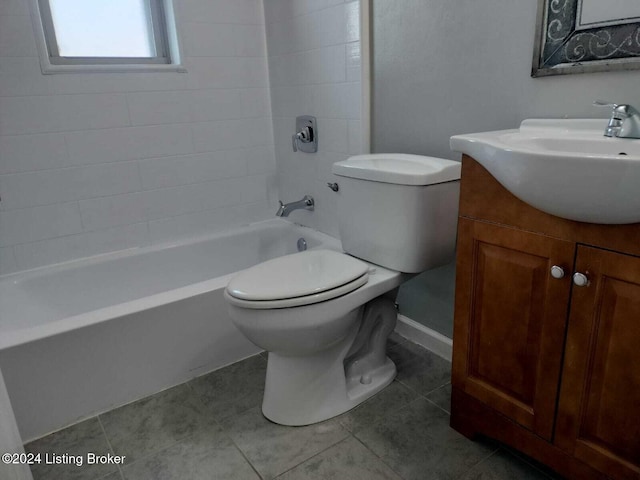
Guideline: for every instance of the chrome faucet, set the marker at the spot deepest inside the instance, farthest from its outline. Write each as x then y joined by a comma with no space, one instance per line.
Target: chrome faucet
624,122
285,209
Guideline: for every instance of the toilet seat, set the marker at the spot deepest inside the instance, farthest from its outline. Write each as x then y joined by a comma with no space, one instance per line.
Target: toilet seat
295,280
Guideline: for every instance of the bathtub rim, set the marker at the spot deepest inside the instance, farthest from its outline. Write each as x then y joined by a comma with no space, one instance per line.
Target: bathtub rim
126,252
21,336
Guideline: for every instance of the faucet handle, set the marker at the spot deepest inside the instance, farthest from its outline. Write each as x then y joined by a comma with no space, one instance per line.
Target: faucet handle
620,110
303,136
603,103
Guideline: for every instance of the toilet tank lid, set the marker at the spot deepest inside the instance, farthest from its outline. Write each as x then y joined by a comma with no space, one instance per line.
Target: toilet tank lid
399,168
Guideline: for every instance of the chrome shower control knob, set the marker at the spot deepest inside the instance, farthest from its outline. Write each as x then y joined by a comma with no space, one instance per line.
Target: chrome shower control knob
557,272
580,279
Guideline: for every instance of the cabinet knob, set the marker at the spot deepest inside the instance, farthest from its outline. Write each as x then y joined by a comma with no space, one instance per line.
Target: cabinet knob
580,279
557,272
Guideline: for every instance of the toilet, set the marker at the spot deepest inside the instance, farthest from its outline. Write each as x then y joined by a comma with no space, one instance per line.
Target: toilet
324,316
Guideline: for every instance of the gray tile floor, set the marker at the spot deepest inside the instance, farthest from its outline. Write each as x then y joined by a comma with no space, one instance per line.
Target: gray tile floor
212,428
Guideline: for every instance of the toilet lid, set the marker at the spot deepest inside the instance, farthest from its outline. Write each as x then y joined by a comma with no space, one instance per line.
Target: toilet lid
298,275
298,301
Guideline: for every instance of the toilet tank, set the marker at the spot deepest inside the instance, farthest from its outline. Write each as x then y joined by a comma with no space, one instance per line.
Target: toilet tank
398,211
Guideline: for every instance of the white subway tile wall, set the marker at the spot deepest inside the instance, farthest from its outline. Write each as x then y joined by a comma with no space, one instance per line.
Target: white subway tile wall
93,163
314,69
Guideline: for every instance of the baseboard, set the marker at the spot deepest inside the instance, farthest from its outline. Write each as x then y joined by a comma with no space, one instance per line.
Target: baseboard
425,336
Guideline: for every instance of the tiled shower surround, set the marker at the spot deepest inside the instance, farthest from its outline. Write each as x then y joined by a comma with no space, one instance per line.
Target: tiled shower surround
212,428
314,69
93,163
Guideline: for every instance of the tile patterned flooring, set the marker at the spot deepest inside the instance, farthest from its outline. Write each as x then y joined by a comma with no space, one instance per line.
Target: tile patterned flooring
212,428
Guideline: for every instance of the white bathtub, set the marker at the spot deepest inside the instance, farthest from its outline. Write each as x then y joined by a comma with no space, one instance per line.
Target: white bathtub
83,337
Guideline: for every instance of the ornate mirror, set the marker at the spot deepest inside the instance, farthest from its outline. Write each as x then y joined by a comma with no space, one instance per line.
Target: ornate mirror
577,36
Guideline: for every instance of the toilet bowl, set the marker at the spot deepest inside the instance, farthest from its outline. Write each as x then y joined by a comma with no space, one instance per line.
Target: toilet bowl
311,331
324,316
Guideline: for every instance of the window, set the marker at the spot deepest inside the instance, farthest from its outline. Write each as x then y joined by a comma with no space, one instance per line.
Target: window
107,35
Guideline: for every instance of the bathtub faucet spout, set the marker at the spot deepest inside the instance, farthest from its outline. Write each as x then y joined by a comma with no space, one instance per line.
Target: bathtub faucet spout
285,209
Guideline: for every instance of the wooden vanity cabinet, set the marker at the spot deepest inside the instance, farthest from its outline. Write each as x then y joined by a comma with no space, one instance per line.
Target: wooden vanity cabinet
539,363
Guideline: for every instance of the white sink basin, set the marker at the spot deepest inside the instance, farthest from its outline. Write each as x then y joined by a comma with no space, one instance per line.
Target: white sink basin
567,168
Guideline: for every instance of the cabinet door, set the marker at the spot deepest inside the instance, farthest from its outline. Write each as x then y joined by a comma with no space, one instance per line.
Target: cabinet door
599,408
510,319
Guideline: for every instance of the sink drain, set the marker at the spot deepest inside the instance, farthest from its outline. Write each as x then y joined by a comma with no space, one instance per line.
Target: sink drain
302,244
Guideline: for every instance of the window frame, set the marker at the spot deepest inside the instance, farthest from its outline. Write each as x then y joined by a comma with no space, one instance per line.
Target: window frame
162,26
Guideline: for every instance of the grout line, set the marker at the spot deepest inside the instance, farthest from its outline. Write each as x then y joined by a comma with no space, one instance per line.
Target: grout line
66,149
484,459
83,232
82,222
213,24
18,56
149,239
126,102
194,122
139,174
155,157
435,404
377,456
241,452
129,126
319,453
191,56
328,118
310,13
199,398
155,452
140,91
192,137
104,432
321,84
166,447
137,192
425,394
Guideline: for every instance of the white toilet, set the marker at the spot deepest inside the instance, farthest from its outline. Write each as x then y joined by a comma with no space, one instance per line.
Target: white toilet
324,316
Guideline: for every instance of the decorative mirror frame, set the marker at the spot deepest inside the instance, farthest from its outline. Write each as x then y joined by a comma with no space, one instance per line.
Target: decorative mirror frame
561,48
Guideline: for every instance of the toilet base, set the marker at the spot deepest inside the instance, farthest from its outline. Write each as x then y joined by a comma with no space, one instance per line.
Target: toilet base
310,389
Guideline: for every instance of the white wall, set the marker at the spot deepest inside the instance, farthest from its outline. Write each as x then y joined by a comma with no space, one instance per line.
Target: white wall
91,163
314,69
442,68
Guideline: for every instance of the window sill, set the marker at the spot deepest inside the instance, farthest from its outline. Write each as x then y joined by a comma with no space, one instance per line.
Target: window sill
50,69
